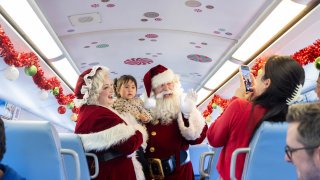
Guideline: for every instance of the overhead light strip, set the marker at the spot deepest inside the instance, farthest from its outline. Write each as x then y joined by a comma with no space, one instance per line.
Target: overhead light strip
226,70
285,12
64,67
31,25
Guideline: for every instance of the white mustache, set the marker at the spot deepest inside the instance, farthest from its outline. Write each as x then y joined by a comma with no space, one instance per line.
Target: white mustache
163,93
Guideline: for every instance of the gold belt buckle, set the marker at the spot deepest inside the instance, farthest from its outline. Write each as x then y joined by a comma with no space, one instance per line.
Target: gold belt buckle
156,162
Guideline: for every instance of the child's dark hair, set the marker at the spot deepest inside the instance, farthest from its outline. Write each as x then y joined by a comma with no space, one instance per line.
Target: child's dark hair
118,82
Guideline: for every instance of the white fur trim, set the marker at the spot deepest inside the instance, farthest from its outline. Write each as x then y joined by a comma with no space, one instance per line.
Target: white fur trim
164,77
130,120
149,103
137,167
196,125
144,133
107,138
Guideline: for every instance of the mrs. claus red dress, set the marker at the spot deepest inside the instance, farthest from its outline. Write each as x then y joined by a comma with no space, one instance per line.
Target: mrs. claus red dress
101,130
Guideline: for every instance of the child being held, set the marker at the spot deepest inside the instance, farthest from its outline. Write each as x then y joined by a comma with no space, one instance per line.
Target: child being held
127,102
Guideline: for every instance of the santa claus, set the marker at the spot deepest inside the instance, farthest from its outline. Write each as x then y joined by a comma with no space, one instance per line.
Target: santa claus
176,124
113,138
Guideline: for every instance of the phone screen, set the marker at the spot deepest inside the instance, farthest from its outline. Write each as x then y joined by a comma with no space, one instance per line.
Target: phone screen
245,71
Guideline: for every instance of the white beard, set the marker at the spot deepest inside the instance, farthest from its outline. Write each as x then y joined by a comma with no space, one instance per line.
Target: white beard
167,109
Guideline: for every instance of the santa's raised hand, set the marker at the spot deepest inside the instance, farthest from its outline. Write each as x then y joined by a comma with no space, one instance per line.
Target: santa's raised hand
188,102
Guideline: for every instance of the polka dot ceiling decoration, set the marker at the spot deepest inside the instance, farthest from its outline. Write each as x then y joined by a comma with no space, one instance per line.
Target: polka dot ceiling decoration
209,7
138,61
222,31
151,15
151,36
195,74
199,58
102,46
193,3
197,5
95,5
110,5
154,54
199,45
103,2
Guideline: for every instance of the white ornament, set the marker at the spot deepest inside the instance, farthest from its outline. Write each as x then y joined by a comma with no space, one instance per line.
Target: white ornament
11,73
43,94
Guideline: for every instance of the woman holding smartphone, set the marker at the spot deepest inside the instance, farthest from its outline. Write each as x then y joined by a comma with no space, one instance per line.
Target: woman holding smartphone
277,86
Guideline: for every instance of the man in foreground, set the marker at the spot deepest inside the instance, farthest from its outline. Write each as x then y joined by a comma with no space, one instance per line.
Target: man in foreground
303,140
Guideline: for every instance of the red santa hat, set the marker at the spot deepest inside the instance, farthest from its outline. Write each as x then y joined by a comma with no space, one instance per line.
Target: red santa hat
80,83
156,76
84,84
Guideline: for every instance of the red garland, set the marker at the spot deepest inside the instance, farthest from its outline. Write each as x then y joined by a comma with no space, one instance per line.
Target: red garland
259,63
304,56
308,54
11,57
223,103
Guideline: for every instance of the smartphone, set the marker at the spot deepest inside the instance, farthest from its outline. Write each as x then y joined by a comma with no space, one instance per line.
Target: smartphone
245,72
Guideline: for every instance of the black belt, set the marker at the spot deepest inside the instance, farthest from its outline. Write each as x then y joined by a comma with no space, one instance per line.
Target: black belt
108,155
159,168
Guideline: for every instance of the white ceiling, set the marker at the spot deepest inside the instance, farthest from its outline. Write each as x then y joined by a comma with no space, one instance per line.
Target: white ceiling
165,32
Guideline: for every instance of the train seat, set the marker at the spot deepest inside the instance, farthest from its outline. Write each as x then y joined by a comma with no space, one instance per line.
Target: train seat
265,155
73,141
195,152
34,151
208,163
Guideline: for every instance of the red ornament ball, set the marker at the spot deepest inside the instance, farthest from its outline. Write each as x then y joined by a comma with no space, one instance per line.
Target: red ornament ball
75,110
61,109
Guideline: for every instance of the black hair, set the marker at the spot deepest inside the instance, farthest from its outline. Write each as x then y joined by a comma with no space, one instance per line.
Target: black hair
118,82
2,139
285,75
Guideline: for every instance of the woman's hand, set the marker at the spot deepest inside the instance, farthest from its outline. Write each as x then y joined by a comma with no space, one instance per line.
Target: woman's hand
241,91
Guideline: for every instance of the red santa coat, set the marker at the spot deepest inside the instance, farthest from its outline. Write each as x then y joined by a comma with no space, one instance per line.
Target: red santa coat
167,140
102,129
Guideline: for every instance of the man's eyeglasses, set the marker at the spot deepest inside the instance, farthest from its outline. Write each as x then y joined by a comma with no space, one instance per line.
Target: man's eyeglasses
289,150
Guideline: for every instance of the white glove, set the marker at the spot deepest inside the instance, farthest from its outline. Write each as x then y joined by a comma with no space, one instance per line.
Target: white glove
188,102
